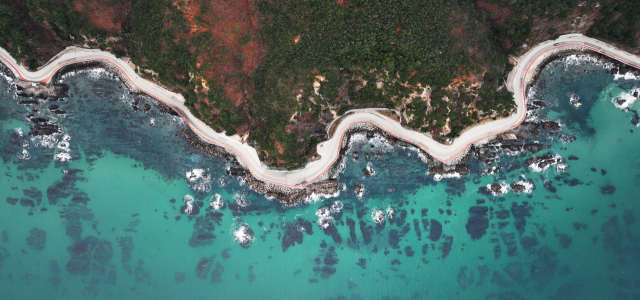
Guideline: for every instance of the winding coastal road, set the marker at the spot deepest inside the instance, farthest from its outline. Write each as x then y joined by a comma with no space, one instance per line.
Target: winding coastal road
330,149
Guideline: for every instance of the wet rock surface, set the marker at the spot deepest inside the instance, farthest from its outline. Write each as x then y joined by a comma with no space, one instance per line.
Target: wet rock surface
52,92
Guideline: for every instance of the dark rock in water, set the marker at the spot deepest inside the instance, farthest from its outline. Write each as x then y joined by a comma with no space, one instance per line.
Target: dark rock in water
291,236
327,271
44,129
352,233
331,258
498,279
179,277
544,267
542,161
37,239
516,187
565,138
436,230
603,172
528,242
572,157
564,240
313,280
533,148
515,271
394,239
629,218
367,156
362,263
416,228
465,280
520,212
496,188
408,250
396,262
478,222
607,189
323,244
204,266
29,102
39,120
216,275
5,236
355,155
147,107
549,186
89,256
502,214
367,232
612,235
573,182
461,169
54,267
332,231
34,194
12,200
578,225
510,295
497,250
564,270
570,291
484,272
40,90
446,246
203,234
27,202
112,277
509,239
126,248
368,172
551,125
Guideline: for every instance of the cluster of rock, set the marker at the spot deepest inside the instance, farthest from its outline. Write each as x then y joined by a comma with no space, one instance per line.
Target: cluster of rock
38,90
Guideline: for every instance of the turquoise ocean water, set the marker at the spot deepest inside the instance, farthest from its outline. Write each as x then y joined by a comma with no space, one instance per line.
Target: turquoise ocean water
97,211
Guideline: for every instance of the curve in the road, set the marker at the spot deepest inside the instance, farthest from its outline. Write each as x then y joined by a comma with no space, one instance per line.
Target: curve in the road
330,149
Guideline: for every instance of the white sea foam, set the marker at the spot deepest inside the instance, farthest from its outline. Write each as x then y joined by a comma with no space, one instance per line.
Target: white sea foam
625,76
377,215
336,207
324,217
188,200
243,234
504,188
575,100
391,213
241,200
63,156
152,122
19,131
360,193
24,154
528,185
628,99
199,180
439,177
222,182
216,201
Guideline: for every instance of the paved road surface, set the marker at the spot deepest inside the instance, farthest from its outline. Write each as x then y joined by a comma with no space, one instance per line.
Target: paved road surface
329,150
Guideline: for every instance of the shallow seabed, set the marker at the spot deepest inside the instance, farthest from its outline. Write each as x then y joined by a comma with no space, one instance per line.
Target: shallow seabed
98,211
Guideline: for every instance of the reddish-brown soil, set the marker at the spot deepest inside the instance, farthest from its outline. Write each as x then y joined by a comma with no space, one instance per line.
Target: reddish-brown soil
106,15
233,59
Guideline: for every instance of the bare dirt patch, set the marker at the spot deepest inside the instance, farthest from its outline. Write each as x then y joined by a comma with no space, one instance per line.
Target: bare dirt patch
234,52
106,15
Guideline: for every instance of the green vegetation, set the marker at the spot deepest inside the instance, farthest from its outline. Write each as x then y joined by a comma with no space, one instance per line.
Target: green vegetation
622,29
15,37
